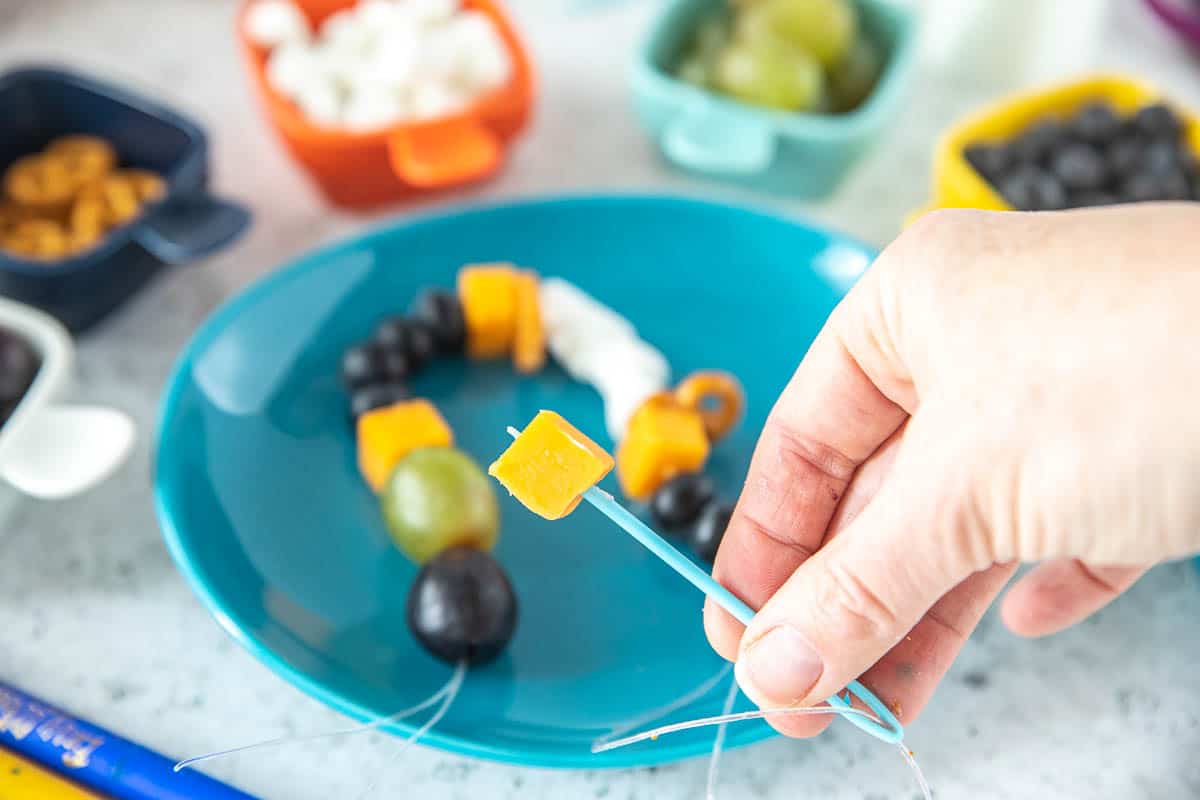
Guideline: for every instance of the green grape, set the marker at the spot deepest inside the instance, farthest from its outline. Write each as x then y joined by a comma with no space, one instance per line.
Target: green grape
693,70
851,81
769,74
754,25
436,498
712,35
825,28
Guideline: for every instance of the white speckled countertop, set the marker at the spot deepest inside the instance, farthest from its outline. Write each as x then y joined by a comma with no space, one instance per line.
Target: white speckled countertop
94,617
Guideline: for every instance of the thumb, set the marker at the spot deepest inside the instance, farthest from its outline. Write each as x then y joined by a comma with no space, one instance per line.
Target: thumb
864,590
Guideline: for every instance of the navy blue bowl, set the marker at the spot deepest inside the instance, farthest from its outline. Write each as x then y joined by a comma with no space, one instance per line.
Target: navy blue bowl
36,105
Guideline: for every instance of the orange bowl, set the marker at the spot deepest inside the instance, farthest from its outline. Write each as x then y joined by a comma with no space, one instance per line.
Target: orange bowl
372,168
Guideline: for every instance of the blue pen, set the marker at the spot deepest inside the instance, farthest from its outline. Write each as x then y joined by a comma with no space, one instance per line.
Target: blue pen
94,758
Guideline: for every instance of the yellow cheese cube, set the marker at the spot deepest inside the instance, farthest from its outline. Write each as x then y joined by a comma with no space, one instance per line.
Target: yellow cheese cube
663,440
488,293
386,435
550,465
529,338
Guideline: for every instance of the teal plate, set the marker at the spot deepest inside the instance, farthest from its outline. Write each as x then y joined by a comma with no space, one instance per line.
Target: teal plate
264,511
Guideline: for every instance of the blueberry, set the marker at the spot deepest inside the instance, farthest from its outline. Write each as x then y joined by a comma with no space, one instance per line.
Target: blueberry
1038,141
678,502
990,161
1092,198
1079,166
1097,123
6,411
708,531
1157,120
443,313
360,365
1124,156
1161,157
1143,187
1147,187
392,333
394,365
411,337
1018,189
1033,189
18,366
422,344
376,395
461,606
1176,186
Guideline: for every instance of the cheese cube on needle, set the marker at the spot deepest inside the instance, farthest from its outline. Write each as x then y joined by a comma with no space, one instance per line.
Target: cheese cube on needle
550,465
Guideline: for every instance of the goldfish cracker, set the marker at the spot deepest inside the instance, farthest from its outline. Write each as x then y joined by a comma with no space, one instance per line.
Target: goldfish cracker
529,335
85,158
41,239
488,293
147,186
88,216
388,434
40,183
550,465
122,199
116,196
80,240
664,439
10,215
717,396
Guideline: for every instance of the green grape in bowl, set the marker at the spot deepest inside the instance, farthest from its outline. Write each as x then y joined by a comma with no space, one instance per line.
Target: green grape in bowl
769,73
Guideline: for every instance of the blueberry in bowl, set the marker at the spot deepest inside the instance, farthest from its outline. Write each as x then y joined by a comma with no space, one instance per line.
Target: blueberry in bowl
19,364
1096,156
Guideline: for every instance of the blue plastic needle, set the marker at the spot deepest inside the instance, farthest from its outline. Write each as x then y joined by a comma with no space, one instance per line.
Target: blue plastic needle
893,733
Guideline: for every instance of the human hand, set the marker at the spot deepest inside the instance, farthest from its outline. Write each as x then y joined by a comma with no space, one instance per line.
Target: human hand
998,388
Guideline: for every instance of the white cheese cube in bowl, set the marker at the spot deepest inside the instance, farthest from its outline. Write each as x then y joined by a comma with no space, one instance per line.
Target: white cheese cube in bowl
271,23
433,99
372,106
321,100
427,12
394,61
480,58
293,66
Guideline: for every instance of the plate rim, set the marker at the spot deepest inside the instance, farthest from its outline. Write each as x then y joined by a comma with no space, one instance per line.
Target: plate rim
228,618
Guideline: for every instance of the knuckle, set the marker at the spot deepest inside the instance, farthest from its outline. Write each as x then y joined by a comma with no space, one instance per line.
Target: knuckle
804,455
850,609
938,226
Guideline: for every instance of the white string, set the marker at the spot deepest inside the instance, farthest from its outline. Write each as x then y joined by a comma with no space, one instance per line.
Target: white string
722,719
911,760
450,690
660,712
408,712
710,785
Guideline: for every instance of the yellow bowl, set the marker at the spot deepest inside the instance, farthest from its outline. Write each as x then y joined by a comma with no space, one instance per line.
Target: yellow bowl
956,184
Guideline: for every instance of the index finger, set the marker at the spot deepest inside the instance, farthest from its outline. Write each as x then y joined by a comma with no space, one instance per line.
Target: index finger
844,401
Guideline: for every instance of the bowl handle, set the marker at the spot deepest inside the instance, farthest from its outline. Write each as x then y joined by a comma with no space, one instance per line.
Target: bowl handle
705,139
191,227
444,153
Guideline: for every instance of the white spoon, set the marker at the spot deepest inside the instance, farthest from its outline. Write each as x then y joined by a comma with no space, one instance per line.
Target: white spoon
62,450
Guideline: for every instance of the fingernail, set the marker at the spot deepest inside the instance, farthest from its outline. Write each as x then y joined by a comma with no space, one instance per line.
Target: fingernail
780,668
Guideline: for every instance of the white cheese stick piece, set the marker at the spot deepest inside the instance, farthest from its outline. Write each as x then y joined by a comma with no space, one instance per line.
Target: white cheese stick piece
566,305
621,400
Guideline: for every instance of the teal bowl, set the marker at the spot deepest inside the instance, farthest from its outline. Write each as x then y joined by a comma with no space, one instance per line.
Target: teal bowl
265,514
783,152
